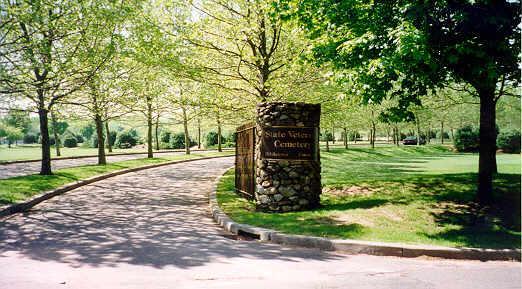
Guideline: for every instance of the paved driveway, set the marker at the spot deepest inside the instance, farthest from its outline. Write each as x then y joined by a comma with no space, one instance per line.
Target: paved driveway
152,229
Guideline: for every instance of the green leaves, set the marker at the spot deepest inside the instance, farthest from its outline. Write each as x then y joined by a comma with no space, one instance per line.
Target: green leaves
404,49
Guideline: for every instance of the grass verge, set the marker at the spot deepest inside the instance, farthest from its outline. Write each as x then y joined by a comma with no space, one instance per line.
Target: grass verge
17,189
408,195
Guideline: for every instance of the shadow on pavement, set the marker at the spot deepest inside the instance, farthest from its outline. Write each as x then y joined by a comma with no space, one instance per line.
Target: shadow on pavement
157,218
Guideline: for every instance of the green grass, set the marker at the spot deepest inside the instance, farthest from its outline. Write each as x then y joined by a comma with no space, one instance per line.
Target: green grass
31,152
17,189
408,194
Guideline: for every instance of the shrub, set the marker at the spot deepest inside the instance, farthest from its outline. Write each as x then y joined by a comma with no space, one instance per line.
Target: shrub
30,138
433,134
126,138
94,141
51,140
212,138
87,131
353,135
70,142
231,137
177,141
164,145
112,137
328,136
79,138
509,141
467,139
165,136
446,135
229,144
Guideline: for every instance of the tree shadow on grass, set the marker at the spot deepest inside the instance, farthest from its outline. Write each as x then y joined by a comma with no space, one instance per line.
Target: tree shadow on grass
454,208
450,200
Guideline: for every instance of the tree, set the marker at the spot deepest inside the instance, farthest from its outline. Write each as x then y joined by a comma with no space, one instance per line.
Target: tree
11,133
403,49
19,119
43,52
58,128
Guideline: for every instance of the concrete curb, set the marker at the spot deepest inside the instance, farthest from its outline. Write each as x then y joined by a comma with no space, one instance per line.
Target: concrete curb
356,246
26,205
107,155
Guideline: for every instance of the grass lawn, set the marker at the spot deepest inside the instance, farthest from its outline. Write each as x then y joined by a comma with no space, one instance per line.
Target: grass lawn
408,194
31,152
17,189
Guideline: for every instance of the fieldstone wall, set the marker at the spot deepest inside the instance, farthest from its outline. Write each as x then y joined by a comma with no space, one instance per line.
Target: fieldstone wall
293,183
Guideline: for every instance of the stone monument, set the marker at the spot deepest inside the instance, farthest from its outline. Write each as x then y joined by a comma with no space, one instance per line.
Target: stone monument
288,168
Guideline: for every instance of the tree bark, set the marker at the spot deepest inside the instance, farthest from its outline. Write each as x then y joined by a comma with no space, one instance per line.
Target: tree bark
109,146
398,136
442,132
156,132
149,127
199,133
46,147
327,144
102,160
333,135
185,128
55,133
345,139
372,135
219,132
418,133
487,148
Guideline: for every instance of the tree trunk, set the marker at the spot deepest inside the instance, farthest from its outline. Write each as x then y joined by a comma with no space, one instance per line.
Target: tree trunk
109,146
428,134
55,133
219,132
418,133
487,148
102,160
442,132
452,135
327,144
345,139
185,128
46,147
333,135
156,132
149,138
372,135
199,133
149,128
398,136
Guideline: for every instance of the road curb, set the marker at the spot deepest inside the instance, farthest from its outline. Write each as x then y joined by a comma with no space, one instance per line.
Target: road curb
356,246
107,155
26,205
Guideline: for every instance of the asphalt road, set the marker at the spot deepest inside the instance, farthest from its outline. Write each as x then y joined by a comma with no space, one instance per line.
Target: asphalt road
152,229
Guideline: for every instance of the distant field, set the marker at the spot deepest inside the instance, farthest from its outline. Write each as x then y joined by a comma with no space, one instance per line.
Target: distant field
416,195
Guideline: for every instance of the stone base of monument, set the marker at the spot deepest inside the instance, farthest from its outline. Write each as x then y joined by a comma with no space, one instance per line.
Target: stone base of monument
288,169
284,186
